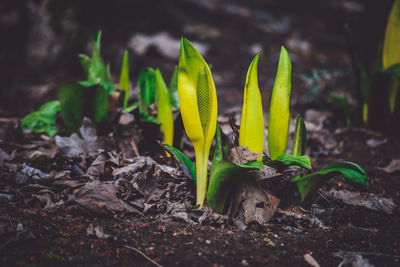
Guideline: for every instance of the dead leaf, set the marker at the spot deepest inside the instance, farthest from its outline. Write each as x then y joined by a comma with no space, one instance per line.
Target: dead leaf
42,152
90,144
310,260
4,156
47,199
100,233
101,163
355,258
34,173
242,154
363,199
376,142
101,197
393,166
256,204
210,217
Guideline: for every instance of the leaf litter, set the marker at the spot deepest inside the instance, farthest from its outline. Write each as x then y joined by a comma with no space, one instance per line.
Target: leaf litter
105,182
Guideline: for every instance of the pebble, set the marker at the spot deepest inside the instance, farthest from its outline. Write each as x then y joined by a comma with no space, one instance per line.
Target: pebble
20,227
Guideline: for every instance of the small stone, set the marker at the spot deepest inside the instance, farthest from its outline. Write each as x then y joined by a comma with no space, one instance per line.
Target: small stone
20,227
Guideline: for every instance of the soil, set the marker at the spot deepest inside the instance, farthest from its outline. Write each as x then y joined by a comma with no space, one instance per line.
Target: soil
59,236
32,235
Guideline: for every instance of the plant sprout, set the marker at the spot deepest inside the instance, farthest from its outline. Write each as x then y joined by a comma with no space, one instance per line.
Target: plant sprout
252,122
164,113
391,50
279,115
124,78
198,103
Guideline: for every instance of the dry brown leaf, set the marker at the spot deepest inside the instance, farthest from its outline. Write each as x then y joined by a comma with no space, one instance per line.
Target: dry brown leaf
393,166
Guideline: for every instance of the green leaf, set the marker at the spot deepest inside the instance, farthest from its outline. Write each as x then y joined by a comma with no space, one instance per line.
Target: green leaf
164,109
43,120
183,161
97,71
173,88
293,160
147,87
218,149
279,115
251,134
299,138
349,170
131,108
85,62
224,179
146,117
310,183
391,51
124,78
343,103
82,99
365,83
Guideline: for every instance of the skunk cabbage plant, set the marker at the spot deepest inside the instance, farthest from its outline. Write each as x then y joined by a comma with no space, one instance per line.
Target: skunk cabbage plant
164,113
299,138
124,78
198,103
279,114
391,50
252,122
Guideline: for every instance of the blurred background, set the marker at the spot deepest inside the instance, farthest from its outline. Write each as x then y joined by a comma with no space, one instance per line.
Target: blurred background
41,40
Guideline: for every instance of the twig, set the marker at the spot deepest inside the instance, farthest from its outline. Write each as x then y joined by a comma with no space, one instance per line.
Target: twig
134,147
144,255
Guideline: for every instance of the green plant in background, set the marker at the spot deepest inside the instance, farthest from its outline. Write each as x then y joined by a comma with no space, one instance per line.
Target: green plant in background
391,50
173,89
147,88
343,103
251,132
379,82
164,109
95,68
82,99
279,115
42,120
198,103
79,99
124,78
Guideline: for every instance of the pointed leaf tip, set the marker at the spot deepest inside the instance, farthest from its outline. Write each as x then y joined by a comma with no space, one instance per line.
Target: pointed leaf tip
252,120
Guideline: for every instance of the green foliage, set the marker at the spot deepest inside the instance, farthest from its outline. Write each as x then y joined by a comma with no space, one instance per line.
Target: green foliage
310,183
42,120
124,78
183,161
343,103
94,67
251,133
147,87
82,99
294,160
279,115
164,109
218,153
300,138
173,89
377,84
225,179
